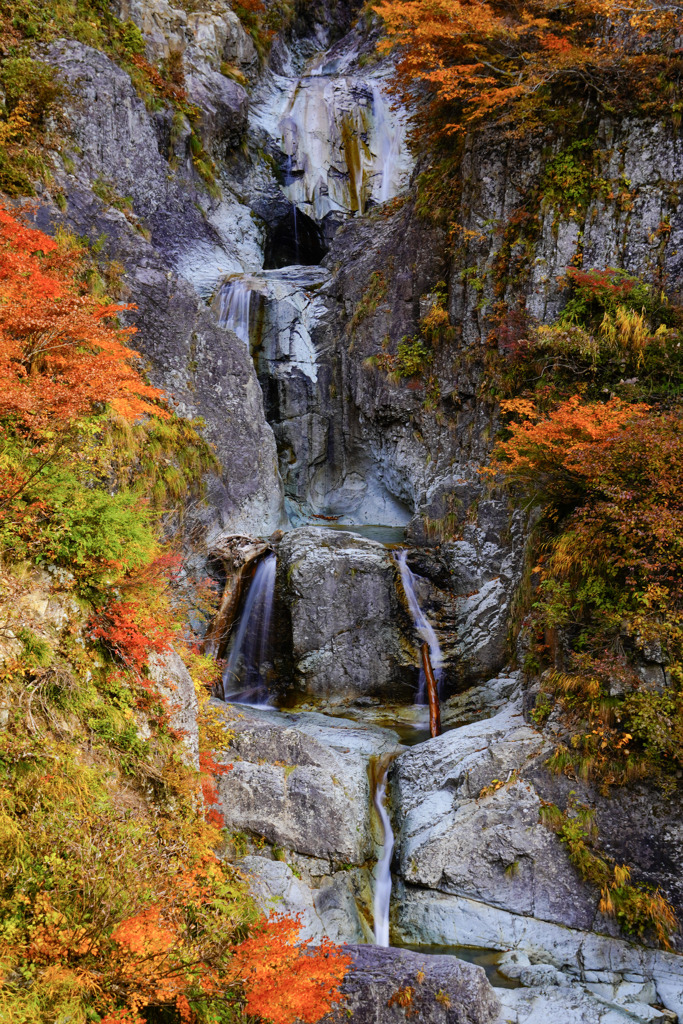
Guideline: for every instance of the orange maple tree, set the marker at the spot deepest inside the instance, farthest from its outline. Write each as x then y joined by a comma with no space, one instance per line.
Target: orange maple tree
61,350
556,452
466,61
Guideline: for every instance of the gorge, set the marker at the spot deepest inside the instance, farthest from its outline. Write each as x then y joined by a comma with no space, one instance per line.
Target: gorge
350,320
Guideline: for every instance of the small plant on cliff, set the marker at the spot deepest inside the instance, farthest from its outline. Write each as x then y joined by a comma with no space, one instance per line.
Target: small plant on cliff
639,910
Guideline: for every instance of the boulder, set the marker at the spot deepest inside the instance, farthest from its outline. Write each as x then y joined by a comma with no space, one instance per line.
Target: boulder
386,985
301,780
469,824
340,591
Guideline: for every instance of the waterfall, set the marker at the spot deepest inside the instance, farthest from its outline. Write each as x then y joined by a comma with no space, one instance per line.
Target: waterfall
344,143
383,880
235,305
288,180
388,140
423,627
243,678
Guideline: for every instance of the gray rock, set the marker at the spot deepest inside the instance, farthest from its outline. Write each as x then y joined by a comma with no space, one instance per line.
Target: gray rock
174,683
567,1005
301,781
340,590
204,370
392,985
488,846
444,920
223,105
327,910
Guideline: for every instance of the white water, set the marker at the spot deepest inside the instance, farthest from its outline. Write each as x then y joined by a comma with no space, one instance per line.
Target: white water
422,626
345,143
235,305
243,678
383,873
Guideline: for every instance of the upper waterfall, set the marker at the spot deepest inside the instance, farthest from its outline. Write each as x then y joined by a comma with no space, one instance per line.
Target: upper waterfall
344,142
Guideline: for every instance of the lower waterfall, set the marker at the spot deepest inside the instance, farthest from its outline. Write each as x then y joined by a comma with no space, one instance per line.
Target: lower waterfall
244,677
383,880
423,627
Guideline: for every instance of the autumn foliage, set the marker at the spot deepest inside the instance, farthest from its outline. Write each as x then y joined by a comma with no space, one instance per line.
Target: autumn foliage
593,437
60,350
113,900
467,62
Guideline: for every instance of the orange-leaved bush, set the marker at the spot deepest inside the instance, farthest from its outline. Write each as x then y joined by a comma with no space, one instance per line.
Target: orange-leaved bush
555,453
288,980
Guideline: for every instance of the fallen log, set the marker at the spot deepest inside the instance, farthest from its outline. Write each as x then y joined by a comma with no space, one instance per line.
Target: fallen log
432,694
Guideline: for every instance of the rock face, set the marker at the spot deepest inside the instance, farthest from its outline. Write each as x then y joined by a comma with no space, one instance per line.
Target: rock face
204,370
469,824
388,985
330,905
340,591
303,783
292,773
174,683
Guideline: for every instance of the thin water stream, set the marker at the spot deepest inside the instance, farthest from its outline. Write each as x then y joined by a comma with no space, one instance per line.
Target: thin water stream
423,627
382,900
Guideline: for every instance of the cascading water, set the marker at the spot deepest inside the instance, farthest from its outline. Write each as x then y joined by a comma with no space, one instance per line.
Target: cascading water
235,305
389,142
383,876
423,627
244,679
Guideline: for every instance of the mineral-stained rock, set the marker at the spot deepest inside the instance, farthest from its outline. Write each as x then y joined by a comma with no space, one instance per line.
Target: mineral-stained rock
386,985
340,590
301,781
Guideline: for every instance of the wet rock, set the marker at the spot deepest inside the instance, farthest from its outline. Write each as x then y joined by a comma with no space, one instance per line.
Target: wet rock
386,985
440,919
301,781
340,590
468,822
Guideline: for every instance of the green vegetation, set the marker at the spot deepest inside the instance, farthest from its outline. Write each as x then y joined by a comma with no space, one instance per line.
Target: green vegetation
639,910
374,294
